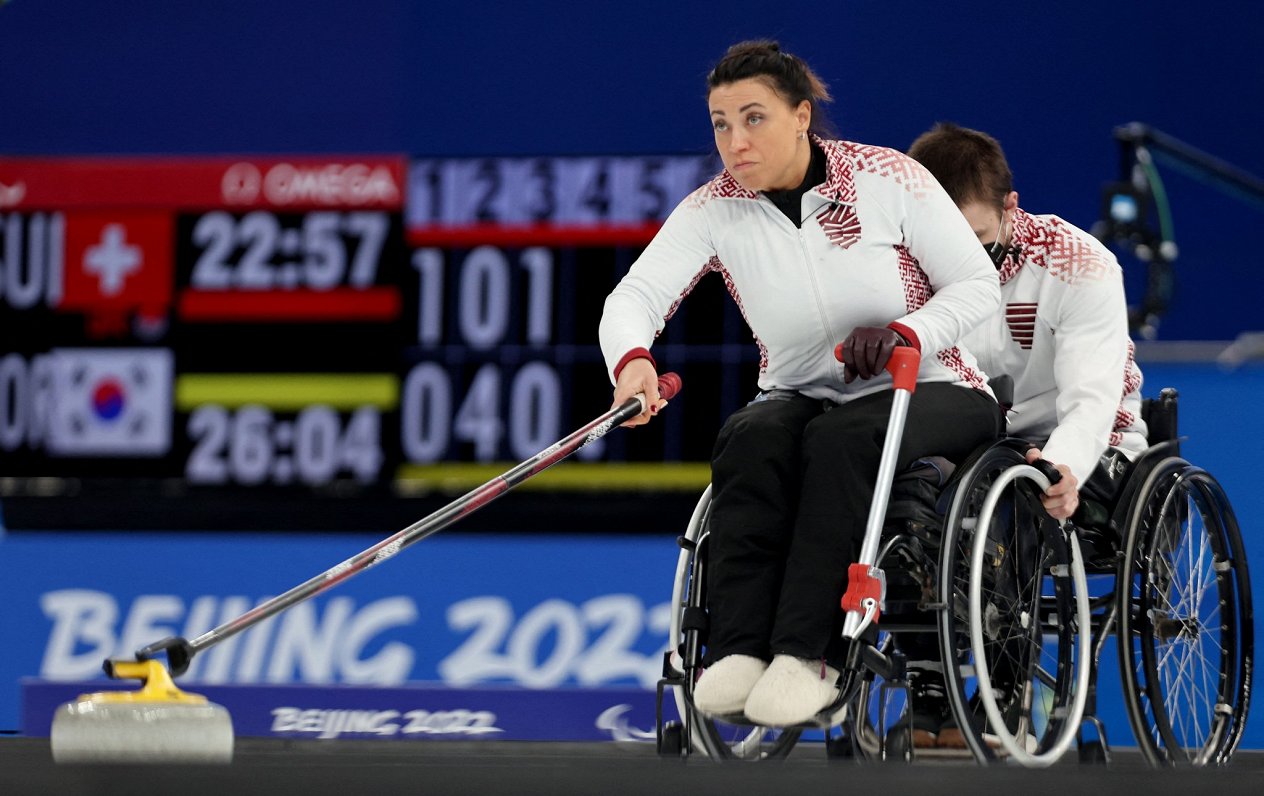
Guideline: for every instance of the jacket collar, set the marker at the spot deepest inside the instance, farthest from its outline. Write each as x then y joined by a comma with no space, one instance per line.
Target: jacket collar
839,184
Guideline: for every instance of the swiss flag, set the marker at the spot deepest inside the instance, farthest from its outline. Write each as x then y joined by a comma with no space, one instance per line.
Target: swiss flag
118,261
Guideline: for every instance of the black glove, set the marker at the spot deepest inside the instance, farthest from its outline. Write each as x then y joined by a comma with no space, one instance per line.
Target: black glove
867,350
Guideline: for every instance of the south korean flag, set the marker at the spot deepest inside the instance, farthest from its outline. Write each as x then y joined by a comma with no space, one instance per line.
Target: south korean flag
110,402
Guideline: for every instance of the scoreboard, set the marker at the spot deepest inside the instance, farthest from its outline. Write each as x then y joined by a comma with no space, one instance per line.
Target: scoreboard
264,323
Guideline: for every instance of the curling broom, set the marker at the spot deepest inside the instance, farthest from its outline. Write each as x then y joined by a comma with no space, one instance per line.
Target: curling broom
162,724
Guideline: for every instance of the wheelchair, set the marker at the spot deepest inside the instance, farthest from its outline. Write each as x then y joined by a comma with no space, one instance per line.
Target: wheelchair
999,591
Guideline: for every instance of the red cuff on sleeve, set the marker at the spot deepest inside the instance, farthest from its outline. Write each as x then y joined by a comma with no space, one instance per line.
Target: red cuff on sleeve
636,353
908,334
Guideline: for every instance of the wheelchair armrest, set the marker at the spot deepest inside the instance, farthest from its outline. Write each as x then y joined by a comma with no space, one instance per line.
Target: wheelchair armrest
1160,416
1003,388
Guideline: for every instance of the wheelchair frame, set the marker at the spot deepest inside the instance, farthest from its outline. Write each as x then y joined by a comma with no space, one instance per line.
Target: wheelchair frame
1158,489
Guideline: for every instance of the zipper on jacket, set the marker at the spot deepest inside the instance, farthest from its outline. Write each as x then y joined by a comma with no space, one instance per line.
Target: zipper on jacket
830,342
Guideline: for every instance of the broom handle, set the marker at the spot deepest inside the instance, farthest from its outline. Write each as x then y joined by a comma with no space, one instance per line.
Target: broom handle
180,652
864,580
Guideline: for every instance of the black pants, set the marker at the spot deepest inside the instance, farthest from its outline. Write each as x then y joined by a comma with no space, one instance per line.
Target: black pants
792,479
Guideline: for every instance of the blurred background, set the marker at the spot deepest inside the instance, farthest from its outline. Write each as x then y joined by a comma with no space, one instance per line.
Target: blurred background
278,279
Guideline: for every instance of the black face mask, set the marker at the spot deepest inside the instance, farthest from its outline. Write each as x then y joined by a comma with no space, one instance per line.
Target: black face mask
997,253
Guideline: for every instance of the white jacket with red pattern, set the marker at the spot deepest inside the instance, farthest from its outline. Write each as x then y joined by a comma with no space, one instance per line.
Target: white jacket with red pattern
1063,337
881,244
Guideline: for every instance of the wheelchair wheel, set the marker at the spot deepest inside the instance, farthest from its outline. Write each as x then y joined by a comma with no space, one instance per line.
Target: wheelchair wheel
1013,598
716,739
1186,634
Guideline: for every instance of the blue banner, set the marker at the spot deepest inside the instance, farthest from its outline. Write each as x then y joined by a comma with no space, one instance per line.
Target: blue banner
414,712
464,611
545,634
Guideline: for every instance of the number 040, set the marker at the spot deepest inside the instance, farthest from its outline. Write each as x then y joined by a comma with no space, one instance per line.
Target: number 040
430,418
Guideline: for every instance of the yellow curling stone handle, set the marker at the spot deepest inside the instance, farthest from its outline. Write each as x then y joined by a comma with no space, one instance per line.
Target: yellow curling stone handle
158,686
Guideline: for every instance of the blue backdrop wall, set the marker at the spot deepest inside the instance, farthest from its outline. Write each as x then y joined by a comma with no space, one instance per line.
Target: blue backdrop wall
486,78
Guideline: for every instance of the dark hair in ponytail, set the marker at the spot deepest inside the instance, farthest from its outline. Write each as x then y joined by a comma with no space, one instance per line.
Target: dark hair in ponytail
784,73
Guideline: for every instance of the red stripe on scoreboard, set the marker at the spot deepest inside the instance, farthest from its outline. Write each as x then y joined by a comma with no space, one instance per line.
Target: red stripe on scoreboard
287,306
244,183
471,235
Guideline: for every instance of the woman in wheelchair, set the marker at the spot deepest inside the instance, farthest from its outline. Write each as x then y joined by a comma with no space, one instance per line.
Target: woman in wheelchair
817,240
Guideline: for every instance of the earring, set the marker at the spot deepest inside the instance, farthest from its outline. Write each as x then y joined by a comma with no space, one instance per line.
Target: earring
803,134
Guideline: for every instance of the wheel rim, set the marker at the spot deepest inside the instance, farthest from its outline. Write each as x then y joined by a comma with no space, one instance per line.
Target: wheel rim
1037,650
1012,636
1186,657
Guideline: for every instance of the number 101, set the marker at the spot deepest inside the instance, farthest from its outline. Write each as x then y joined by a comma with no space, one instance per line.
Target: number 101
484,296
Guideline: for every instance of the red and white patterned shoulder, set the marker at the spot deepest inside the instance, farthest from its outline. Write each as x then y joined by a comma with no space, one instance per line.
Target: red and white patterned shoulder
848,157
1063,250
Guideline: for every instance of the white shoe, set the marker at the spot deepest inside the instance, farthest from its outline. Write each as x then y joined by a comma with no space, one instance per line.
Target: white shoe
792,691
723,687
